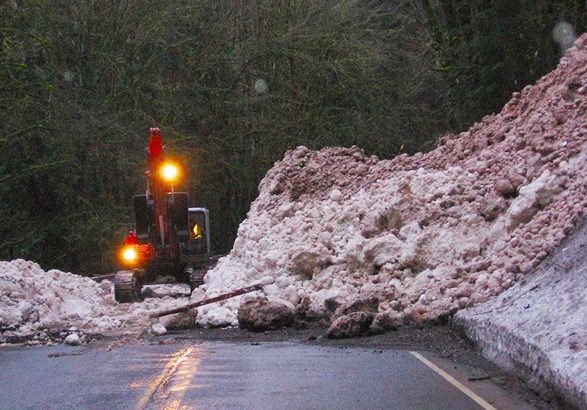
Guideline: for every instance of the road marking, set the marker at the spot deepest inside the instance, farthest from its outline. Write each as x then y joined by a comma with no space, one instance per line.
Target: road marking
164,377
477,399
182,380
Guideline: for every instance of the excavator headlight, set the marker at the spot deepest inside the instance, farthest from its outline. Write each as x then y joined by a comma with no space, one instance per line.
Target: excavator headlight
169,172
130,255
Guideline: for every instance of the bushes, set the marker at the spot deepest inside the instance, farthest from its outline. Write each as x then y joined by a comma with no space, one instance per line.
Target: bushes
488,49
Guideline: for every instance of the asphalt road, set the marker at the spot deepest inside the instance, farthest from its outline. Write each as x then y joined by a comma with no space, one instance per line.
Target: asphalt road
219,375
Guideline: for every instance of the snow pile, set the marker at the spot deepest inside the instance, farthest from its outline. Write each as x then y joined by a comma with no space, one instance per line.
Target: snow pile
32,299
427,234
34,303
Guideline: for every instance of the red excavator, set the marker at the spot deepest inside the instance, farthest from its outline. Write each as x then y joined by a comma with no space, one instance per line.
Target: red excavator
170,238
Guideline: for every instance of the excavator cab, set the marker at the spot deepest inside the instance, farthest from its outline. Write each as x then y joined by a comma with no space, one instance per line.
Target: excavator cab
195,252
196,249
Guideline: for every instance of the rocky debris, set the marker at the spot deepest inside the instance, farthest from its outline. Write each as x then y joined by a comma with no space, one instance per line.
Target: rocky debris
352,325
158,329
260,314
385,321
72,340
14,335
354,318
306,311
331,305
180,321
367,305
427,234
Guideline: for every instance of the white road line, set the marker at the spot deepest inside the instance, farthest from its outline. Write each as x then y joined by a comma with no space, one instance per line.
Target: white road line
477,399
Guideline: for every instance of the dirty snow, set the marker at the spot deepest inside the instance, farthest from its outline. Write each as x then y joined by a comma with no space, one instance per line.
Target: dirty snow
428,234
34,302
538,328
169,289
32,299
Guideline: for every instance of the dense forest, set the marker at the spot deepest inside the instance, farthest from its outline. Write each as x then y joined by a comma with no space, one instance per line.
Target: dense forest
233,84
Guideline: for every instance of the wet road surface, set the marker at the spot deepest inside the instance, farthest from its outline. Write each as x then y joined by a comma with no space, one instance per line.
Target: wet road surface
218,375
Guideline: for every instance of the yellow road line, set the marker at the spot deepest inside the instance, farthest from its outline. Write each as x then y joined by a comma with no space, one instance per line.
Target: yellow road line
477,399
181,382
164,377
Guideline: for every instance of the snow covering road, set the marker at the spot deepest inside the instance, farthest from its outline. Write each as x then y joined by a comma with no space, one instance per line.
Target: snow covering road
214,375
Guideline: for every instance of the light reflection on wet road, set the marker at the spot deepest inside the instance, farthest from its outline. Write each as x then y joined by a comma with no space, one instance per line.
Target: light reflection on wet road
213,375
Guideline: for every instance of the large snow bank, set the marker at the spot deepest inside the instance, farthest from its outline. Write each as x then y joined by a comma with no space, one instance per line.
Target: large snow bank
32,299
538,328
428,234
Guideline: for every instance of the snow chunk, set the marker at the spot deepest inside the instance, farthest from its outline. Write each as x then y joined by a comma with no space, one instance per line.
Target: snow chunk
72,340
533,197
158,329
219,316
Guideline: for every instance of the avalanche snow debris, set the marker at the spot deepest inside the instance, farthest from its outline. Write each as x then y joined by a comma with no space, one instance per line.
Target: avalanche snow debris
72,339
34,303
32,299
158,329
427,234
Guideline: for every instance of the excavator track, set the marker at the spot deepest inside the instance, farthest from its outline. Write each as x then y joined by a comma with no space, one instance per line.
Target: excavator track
127,288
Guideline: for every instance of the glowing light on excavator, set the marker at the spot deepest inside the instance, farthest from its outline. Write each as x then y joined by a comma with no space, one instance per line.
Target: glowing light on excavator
129,255
196,232
169,172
